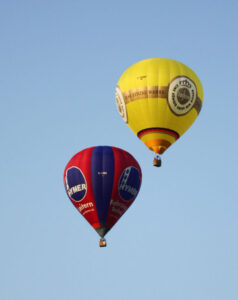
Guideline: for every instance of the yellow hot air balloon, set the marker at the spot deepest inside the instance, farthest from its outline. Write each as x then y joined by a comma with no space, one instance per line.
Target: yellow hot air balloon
159,99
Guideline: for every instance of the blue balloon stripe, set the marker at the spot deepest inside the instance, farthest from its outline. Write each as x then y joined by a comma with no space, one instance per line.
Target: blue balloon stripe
102,175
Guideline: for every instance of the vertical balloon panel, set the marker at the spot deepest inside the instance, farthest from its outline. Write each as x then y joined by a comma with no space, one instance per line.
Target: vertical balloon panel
78,181
127,183
102,175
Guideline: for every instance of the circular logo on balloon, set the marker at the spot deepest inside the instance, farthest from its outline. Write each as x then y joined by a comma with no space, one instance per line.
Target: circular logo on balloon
121,106
129,184
75,184
182,95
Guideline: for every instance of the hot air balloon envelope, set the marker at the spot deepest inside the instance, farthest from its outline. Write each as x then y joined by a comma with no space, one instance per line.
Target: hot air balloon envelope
102,182
159,99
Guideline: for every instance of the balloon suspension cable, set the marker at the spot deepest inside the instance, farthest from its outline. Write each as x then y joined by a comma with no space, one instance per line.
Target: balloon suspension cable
102,243
157,161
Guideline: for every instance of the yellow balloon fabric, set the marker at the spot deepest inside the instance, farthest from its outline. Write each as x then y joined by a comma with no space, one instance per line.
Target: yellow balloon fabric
159,99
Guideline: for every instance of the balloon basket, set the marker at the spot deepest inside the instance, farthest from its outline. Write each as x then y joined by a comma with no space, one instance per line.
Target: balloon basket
157,161
102,243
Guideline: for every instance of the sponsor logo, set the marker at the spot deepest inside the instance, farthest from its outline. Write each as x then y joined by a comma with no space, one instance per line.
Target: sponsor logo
75,184
129,184
121,106
182,95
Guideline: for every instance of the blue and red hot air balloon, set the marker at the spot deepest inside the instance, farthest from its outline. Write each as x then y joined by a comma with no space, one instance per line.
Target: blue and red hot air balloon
102,182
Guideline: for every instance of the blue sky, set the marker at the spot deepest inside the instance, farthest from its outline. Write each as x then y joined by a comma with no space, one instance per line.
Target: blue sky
59,64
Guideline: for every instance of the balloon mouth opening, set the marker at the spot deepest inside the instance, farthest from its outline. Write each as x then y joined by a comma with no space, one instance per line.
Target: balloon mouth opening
158,149
102,231
158,146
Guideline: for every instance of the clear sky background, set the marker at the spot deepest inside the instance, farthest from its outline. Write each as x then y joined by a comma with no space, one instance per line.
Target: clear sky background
59,64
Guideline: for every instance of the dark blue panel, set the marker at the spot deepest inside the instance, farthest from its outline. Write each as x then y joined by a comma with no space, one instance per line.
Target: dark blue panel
102,175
